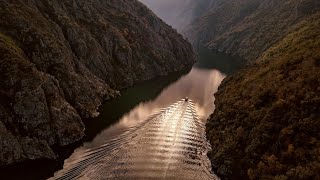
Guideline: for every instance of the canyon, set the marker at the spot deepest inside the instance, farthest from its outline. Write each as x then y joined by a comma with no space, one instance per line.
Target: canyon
61,60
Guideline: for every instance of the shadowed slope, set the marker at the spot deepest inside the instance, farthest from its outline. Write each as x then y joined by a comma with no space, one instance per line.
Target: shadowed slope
60,59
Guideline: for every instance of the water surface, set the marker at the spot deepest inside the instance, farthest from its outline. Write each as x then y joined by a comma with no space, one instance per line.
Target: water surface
134,109
169,144
138,102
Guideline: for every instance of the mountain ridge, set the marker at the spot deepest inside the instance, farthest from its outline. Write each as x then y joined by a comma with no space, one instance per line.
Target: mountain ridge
266,119
61,60
248,28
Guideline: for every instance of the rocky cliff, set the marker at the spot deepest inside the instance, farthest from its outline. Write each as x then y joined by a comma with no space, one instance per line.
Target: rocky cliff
266,121
247,28
60,59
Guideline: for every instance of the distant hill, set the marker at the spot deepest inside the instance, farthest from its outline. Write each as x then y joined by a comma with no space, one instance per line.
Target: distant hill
179,13
249,27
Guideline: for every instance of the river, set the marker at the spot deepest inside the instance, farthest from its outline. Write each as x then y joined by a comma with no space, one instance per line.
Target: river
137,103
171,144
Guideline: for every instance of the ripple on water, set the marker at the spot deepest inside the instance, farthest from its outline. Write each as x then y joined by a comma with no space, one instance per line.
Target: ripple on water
170,144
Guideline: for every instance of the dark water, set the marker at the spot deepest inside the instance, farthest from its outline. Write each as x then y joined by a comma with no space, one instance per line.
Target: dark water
139,102
226,64
167,142
199,83
111,111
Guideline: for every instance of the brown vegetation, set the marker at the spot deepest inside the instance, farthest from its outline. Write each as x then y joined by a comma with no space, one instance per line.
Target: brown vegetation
266,124
248,28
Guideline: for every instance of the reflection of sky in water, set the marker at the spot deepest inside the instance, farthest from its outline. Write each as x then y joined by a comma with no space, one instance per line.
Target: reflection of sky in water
170,144
199,85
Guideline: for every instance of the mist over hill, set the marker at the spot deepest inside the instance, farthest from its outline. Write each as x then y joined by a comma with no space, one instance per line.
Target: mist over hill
179,13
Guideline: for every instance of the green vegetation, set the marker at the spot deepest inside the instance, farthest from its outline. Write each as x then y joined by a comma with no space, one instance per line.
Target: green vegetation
267,119
7,41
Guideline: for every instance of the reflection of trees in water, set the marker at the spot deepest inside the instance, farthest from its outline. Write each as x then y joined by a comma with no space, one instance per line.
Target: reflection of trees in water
199,85
213,59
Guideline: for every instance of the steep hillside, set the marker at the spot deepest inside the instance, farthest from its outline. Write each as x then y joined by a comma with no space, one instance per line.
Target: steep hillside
248,28
61,59
266,124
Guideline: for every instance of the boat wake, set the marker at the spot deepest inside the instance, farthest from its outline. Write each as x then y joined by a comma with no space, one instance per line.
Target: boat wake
170,144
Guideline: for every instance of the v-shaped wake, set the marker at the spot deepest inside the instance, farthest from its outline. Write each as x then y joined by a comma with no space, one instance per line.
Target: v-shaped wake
170,144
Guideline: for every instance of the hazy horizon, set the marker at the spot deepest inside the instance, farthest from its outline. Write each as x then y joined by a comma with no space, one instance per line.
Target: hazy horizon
173,12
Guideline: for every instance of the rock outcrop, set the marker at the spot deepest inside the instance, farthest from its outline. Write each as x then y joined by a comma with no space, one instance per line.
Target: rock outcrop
60,59
266,121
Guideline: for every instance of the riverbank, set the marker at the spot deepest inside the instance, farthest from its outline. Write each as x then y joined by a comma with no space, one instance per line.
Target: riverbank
110,112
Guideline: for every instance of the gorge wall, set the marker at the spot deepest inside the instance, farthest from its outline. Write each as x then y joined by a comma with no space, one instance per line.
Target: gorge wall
247,28
266,119
61,59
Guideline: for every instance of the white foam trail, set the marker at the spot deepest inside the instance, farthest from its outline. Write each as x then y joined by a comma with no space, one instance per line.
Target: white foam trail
170,144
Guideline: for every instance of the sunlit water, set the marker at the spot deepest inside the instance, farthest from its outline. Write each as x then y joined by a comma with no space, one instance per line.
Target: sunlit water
163,138
199,85
170,144
150,142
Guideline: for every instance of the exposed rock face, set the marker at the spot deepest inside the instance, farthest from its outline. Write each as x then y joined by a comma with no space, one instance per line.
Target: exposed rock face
267,119
247,28
61,59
